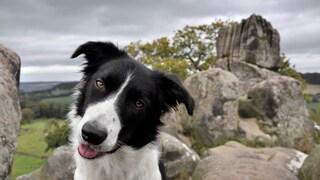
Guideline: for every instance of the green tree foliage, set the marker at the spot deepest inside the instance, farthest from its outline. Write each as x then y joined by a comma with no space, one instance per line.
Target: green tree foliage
56,135
27,115
190,50
286,69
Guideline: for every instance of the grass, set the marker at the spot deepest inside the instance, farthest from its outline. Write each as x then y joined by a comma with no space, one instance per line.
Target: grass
59,100
314,106
31,140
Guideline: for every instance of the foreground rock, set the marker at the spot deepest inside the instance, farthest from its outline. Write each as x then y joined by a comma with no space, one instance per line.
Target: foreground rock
217,167
179,160
215,116
289,159
311,166
60,165
10,113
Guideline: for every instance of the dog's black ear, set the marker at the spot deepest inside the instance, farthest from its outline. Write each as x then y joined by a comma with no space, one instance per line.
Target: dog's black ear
98,51
174,93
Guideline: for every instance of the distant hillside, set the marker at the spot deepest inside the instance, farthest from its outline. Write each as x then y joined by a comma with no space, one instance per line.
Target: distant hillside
47,89
311,78
36,86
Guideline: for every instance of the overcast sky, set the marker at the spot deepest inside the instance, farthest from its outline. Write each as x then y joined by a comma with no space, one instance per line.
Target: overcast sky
46,32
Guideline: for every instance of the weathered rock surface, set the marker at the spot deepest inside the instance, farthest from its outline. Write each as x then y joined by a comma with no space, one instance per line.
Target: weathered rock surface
215,115
253,41
217,167
248,74
289,159
27,177
179,160
279,100
60,165
10,113
311,166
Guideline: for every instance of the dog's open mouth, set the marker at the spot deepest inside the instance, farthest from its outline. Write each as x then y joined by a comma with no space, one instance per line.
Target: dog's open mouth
87,152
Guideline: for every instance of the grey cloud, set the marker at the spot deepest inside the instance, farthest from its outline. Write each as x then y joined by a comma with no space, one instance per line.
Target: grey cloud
45,32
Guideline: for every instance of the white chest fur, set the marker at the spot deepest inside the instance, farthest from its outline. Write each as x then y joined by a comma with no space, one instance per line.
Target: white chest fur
125,164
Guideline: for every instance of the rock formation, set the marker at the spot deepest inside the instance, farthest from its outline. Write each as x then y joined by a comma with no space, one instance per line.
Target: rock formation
215,117
60,165
253,41
280,103
10,114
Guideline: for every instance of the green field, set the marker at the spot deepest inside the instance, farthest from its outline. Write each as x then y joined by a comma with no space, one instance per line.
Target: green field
31,140
59,100
315,106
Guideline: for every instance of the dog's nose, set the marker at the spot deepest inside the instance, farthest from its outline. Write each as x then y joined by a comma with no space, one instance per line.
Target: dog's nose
93,135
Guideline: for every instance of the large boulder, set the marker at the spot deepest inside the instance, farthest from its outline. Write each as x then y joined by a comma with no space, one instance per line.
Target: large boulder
289,159
311,166
280,103
179,160
60,165
215,116
253,41
218,167
10,113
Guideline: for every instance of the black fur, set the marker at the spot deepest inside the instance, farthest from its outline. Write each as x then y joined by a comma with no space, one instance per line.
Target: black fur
160,92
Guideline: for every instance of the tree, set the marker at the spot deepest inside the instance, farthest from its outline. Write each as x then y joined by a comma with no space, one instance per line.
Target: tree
27,115
192,49
286,69
56,135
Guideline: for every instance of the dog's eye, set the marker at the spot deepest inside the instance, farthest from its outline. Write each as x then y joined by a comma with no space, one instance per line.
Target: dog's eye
139,104
99,84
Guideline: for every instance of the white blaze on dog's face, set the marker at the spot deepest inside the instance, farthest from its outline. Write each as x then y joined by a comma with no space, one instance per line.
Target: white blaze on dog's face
120,101
103,116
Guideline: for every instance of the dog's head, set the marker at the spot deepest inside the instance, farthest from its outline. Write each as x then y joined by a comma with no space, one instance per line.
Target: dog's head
120,101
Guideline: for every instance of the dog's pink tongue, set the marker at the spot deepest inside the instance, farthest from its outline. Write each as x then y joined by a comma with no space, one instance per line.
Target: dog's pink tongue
86,152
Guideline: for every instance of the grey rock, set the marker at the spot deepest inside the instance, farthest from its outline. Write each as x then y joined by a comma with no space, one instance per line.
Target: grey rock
279,100
287,158
10,113
248,74
218,167
27,177
60,165
253,41
215,115
179,160
311,166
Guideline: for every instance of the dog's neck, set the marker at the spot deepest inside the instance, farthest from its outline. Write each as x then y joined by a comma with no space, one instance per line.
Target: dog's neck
126,163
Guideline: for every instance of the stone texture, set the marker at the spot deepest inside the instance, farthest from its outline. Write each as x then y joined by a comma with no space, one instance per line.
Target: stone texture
215,115
179,160
279,100
10,113
27,177
248,74
253,41
217,167
289,159
311,166
60,165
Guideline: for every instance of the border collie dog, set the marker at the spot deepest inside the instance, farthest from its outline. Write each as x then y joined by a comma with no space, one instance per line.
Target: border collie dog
115,118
